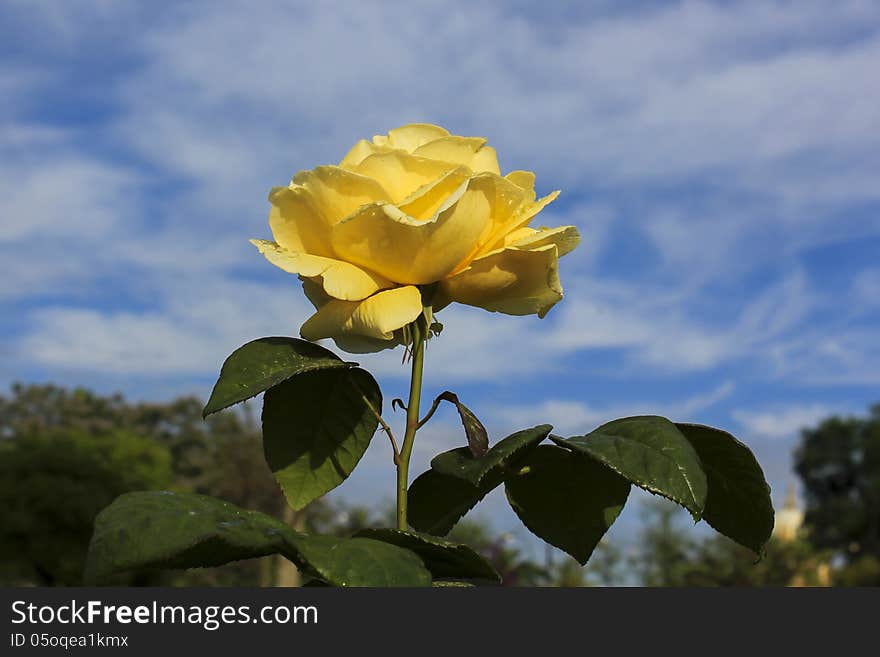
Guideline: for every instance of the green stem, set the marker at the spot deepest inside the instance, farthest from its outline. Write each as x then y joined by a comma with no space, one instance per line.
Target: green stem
412,420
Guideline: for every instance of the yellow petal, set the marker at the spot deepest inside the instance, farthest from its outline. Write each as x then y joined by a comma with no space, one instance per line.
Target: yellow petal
509,281
339,279
486,159
529,210
416,252
313,288
566,238
359,151
506,202
361,344
296,224
400,173
519,219
409,137
355,344
427,200
337,192
377,316
525,180
469,151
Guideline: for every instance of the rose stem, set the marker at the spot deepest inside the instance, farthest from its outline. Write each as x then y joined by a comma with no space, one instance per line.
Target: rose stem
419,334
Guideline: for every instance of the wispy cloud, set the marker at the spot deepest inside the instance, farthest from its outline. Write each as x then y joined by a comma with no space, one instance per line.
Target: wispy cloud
702,147
577,417
782,421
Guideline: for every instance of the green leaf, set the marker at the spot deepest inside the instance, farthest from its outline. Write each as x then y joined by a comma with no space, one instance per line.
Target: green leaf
257,366
443,558
477,436
567,499
161,529
164,530
462,464
457,480
438,501
361,562
650,452
317,427
738,503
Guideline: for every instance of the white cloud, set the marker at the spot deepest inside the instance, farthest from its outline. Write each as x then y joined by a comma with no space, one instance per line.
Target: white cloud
780,422
767,110
199,324
576,417
705,86
61,199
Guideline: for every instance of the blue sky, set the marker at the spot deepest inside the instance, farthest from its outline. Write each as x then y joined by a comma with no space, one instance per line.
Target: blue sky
720,159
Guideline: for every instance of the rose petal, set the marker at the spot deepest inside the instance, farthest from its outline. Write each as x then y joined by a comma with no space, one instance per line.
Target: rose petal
359,151
337,192
339,279
519,219
400,173
377,316
469,151
409,137
566,238
418,252
295,223
524,180
426,201
486,159
509,281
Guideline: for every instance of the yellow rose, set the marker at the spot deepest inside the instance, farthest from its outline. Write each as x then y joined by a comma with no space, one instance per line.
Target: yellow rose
409,209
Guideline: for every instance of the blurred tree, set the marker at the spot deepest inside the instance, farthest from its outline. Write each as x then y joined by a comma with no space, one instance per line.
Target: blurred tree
669,555
51,487
839,466
502,551
606,566
665,551
103,446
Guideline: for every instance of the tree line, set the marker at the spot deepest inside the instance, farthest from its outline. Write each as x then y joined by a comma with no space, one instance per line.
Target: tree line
66,453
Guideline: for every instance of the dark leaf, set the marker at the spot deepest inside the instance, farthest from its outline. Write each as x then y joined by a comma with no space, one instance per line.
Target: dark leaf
438,501
164,530
738,502
316,428
445,560
361,562
257,366
566,498
461,462
477,437
652,453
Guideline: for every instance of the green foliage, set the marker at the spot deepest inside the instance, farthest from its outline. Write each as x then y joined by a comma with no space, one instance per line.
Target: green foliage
475,432
458,480
438,501
261,364
669,555
46,534
838,462
566,498
445,559
316,428
652,453
319,416
362,562
738,501
53,485
160,530
163,529
839,465
463,464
